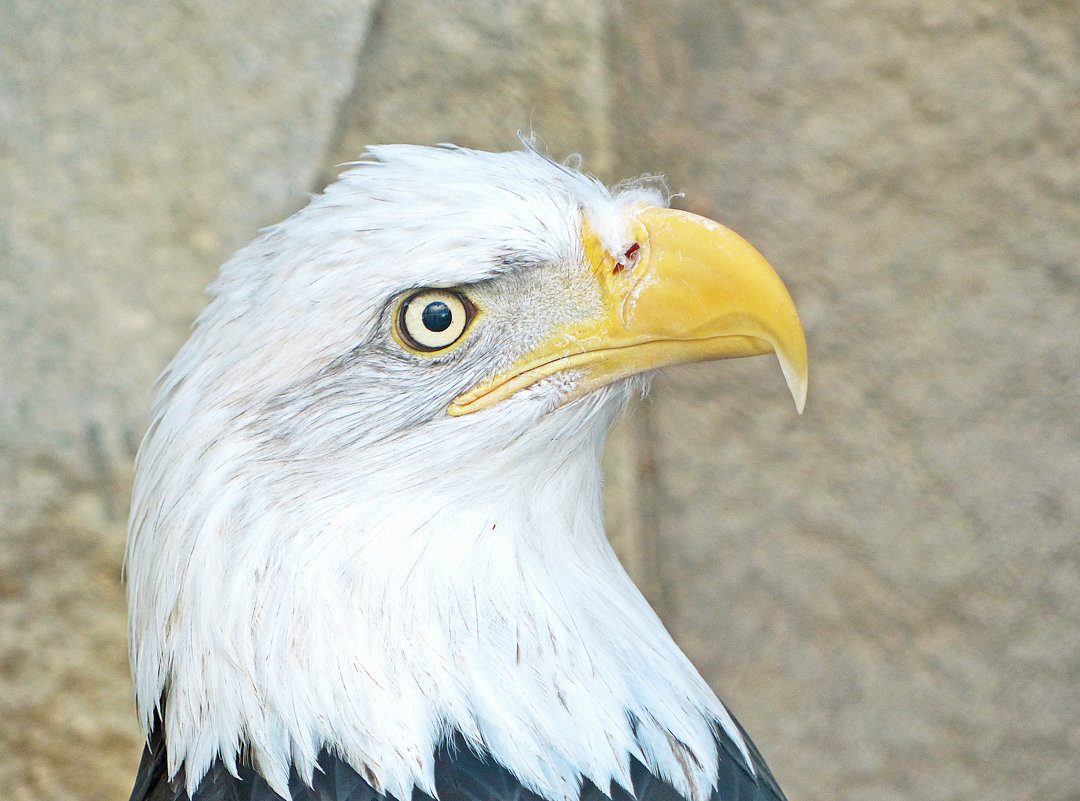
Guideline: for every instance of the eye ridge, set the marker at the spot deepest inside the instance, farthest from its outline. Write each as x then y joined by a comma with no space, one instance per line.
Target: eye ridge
432,320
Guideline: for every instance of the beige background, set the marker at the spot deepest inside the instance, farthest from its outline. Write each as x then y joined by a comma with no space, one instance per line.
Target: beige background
887,590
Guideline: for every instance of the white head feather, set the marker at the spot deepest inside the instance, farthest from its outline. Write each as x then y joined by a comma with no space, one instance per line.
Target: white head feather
319,557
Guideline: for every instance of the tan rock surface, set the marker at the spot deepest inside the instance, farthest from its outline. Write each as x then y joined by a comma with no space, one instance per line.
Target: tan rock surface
887,590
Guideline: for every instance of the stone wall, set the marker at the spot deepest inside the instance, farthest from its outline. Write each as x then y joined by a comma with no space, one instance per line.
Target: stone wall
886,590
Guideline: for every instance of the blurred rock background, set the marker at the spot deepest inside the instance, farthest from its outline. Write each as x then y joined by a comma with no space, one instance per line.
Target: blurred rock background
886,590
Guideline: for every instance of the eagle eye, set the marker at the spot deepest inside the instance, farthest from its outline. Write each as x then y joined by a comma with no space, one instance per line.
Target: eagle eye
433,319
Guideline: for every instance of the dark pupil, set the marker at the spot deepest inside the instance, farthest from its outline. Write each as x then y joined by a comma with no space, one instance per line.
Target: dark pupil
436,316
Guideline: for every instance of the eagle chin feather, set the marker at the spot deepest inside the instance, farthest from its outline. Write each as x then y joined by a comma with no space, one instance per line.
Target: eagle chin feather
326,572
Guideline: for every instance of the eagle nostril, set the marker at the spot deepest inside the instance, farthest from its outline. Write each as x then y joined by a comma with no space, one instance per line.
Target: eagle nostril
629,258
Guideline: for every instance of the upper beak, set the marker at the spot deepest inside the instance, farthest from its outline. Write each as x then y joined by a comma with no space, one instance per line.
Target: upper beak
692,290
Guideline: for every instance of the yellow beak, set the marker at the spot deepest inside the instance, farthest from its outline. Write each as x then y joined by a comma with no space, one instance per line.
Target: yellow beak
691,291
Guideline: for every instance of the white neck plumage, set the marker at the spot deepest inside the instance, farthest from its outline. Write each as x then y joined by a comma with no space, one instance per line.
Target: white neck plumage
379,625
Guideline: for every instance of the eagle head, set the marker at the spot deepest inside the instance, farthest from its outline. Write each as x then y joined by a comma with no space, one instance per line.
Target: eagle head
367,513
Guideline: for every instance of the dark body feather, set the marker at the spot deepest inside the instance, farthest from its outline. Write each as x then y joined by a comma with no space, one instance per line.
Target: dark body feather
460,775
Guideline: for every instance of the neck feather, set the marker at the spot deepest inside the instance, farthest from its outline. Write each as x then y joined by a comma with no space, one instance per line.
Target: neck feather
378,628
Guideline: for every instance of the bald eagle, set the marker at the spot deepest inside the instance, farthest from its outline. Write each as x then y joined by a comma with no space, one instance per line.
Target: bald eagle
366,556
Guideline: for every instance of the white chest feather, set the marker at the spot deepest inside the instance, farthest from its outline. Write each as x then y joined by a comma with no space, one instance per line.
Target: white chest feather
379,624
